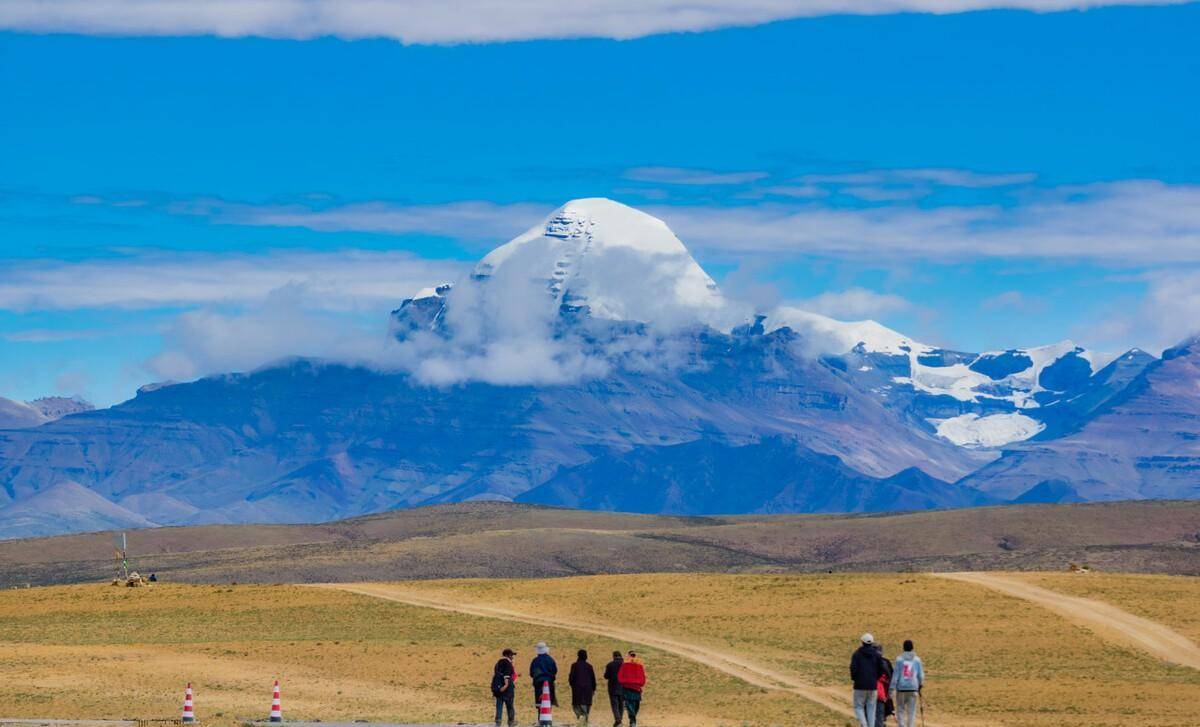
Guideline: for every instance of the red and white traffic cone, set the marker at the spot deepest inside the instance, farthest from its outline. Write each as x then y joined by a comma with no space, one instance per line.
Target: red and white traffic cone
276,709
188,715
545,711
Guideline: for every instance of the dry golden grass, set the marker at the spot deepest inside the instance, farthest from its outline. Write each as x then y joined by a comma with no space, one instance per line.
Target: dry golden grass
1169,600
991,657
104,652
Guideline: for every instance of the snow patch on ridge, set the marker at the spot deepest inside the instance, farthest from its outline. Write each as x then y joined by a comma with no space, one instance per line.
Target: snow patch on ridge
972,430
833,336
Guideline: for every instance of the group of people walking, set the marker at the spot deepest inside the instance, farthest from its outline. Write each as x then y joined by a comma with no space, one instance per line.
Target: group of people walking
882,689
626,678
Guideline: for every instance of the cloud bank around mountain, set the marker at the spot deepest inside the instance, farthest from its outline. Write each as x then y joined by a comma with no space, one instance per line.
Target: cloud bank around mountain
468,21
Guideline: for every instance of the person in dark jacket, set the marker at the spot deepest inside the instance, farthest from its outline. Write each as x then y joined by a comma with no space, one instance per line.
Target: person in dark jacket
543,670
504,687
616,697
865,667
583,686
884,707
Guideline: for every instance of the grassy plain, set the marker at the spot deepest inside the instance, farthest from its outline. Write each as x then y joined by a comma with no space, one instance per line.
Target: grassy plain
992,658
98,651
104,652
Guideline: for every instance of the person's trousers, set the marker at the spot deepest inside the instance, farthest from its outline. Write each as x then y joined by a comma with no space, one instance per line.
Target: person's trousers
906,708
582,711
864,706
501,704
617,702
633,702
537,694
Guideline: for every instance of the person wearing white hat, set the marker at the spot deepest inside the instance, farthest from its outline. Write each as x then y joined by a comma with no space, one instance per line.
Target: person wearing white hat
865,667
543,670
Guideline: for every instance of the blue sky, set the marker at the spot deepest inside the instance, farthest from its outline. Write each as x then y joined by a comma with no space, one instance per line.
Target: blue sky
173,205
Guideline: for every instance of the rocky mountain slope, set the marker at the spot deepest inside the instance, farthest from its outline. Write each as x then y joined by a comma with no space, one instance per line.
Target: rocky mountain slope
22,414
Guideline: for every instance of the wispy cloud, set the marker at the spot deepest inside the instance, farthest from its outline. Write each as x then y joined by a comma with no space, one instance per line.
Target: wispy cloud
855,303
1167,313
342,279
945,177
55,335
684,175
466,220
467,21
1136,222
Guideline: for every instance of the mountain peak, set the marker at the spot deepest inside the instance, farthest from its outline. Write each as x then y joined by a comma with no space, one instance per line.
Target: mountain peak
616,262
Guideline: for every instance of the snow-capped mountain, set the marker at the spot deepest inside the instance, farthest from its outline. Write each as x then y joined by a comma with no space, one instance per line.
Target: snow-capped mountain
982,400
612,261
591,361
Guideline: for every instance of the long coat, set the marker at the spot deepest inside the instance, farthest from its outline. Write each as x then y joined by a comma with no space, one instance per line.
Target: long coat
583,683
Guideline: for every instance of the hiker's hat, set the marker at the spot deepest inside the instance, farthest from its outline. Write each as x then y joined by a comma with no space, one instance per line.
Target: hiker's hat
508,652
868,638
541,648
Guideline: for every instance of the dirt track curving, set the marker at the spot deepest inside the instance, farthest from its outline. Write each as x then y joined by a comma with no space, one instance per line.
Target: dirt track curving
1105,620
755,674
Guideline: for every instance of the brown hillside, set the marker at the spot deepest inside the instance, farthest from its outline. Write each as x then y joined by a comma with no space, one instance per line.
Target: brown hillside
510,540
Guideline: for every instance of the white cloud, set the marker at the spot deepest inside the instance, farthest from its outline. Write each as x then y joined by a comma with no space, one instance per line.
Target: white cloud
466,21
684,175
342,279
1168,313
855,303
290,321
466,220
1135,222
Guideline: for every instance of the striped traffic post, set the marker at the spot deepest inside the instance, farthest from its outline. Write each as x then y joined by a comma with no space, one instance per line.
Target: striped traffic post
276,709
545,713
188,715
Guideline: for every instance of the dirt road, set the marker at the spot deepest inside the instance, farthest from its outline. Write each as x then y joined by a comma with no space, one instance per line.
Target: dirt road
834,699
1105,620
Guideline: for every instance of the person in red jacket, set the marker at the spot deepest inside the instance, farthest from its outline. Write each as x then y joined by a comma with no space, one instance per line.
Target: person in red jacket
632,677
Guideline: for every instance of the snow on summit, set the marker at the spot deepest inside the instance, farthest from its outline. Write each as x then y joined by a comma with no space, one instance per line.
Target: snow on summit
618,262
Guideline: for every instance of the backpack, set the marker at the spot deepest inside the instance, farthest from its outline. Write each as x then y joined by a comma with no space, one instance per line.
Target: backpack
498,685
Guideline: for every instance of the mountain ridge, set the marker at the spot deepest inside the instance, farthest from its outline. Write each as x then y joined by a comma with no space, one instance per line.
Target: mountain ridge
530,376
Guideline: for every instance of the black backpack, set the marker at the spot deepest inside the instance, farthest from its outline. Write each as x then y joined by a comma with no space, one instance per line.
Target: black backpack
498,685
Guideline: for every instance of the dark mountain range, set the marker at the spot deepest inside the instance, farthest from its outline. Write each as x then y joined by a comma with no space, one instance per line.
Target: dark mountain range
774,475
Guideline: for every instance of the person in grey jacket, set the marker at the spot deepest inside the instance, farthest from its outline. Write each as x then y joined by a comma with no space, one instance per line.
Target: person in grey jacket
908,676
